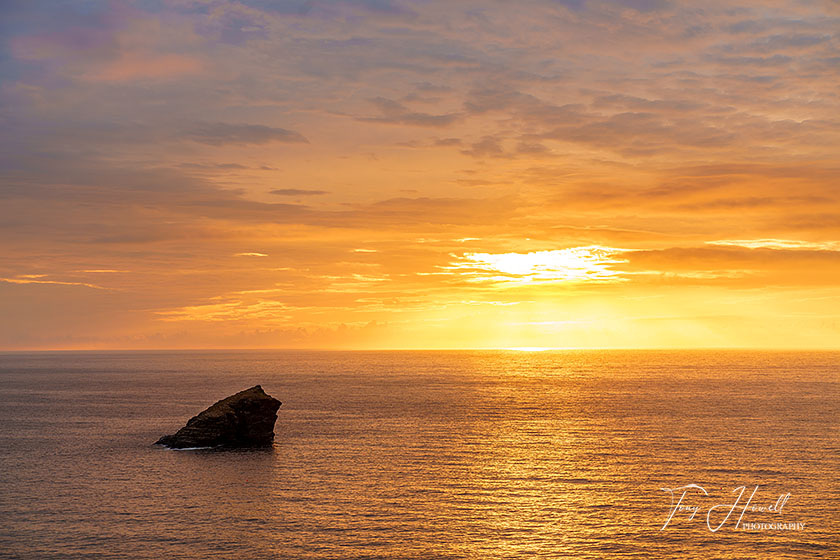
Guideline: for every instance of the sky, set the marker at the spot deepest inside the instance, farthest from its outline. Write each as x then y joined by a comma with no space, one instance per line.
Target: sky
364,174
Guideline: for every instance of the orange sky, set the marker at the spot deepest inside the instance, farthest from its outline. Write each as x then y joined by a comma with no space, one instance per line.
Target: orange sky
395,174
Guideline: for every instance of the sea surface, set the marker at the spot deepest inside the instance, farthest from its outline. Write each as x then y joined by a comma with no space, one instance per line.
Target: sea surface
432,455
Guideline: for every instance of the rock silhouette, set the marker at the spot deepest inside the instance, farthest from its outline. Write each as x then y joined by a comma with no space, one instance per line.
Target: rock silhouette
245,419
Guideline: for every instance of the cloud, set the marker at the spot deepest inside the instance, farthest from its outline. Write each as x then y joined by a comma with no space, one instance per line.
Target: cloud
411,213
262,310
219,134
643,5
787,244
41,279
297,192
732,264
212,166
740,203
489,146
531,148
396,113
134,66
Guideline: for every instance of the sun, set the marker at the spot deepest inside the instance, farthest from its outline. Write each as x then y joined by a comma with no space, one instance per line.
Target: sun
592,263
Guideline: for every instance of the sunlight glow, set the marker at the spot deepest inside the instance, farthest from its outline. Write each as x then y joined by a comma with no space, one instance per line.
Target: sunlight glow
577,264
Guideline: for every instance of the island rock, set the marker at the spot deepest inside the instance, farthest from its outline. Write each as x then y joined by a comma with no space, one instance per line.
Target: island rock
245,419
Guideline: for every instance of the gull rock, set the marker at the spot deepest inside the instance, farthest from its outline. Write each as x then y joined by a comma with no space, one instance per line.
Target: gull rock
245,419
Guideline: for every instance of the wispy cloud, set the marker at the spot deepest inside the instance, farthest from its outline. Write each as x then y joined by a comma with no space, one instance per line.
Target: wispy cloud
133,66
297,192
396,113
42,279
790,244
263,310
218,134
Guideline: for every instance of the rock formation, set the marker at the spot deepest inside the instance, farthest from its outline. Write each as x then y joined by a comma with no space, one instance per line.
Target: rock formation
245,419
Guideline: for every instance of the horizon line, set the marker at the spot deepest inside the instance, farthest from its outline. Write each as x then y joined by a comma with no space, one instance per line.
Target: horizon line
480,349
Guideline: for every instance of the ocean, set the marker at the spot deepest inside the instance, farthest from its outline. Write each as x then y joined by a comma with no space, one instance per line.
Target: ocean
427,455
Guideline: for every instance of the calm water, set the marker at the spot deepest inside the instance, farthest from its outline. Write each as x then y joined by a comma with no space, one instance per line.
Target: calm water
422,455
